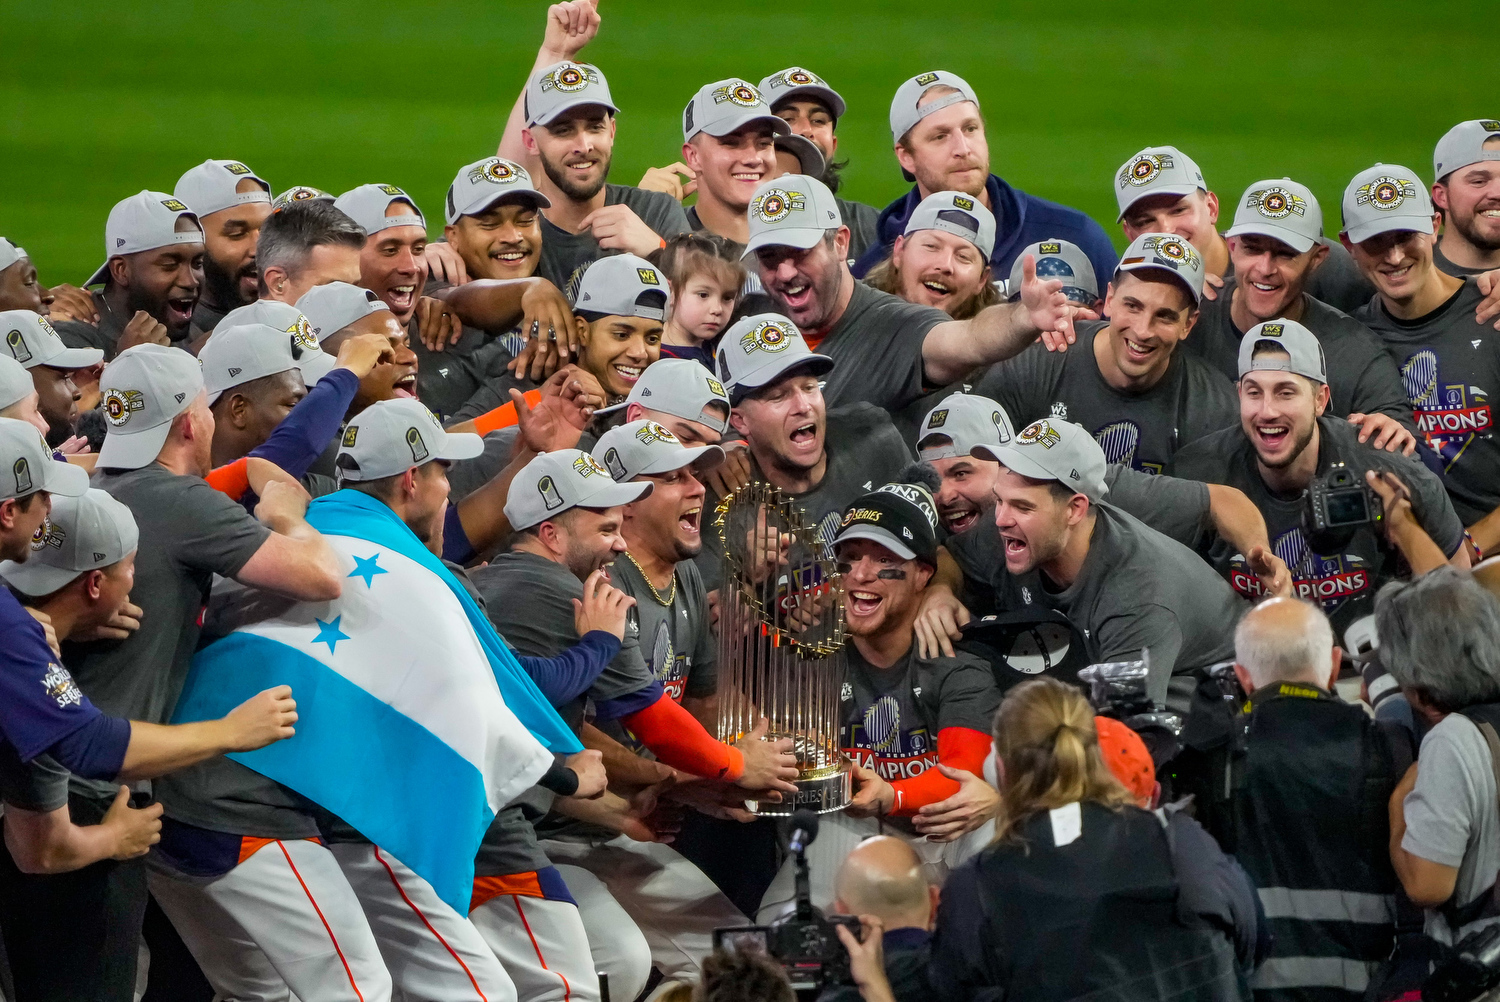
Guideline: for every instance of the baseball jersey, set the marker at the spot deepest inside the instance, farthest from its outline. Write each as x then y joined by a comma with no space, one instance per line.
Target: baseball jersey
889,718
563,253
40,704
1450,367
1343,583
189,533
1337,282
876,346
1361,377
1178,509
1140,430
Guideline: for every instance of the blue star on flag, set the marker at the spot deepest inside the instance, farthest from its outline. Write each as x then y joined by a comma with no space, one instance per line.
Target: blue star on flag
329,633
367,568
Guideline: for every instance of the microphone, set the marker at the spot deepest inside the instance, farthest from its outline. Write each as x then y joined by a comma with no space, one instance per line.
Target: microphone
804,830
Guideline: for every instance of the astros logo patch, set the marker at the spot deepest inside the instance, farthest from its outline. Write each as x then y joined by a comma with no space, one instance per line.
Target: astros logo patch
302,334
587,466
174,205
776,204
741,94
653,432
570,77
1276,203
1386,193
496,170
120,404
773,335
1144,169
299,194
1173,249
799,77
48,534
1040,433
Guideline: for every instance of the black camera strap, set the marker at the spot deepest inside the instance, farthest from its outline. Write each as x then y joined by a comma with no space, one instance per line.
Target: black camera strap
1486,905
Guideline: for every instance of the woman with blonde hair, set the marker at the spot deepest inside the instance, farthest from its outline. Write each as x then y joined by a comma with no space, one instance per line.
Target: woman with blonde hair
1083,893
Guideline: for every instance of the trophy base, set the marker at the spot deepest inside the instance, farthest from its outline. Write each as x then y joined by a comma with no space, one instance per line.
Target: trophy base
824,793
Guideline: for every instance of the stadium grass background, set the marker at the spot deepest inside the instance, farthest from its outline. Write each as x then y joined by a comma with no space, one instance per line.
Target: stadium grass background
97,106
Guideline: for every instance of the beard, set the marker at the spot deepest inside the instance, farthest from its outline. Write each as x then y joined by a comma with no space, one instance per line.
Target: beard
1303,441
1470,230
223,289
570,186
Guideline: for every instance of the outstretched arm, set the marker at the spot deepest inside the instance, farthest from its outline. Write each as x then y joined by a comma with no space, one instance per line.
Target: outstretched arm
957,347
570,26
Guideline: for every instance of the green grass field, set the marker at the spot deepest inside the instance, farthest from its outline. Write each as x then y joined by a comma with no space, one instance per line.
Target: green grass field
97,106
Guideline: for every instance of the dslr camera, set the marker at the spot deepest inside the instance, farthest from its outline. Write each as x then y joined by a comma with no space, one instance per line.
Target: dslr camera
1339,502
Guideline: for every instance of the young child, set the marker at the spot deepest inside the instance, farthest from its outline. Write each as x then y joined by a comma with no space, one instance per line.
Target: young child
706,280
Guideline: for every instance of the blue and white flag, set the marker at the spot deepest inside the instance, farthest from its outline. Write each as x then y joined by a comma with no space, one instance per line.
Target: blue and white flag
415,721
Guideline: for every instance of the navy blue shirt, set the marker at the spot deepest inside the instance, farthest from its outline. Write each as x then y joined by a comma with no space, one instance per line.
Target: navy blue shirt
1020,220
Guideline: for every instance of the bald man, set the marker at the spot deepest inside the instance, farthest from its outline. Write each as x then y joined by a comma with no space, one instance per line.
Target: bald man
1305,812
883,877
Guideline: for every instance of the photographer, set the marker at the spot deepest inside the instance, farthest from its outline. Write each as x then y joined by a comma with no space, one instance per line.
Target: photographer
1082,892
1440,638
1287,447
883,879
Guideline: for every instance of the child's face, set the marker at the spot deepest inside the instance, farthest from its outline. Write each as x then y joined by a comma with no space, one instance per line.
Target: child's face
702,307
618,349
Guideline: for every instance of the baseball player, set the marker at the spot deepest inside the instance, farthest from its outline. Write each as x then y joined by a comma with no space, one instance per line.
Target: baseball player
232,203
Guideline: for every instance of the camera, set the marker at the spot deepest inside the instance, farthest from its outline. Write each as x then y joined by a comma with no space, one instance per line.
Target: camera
1118,689
1471,970
1338,503
803,942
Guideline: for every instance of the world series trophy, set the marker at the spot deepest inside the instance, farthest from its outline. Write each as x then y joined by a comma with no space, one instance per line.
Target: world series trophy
781,642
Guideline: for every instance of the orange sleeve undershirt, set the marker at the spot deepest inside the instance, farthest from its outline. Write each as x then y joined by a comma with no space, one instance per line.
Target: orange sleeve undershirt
676,738
958,748
503,416
230,479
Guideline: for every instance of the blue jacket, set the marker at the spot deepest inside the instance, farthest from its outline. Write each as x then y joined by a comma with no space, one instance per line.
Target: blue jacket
1021,220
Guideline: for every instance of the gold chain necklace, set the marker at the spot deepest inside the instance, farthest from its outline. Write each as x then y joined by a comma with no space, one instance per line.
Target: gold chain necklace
671,596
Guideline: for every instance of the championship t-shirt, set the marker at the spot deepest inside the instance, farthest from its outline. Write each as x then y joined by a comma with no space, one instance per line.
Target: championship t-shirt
563,253
1361,378
1139,430
876,347
1450,366
1342,581
189,532
1338,282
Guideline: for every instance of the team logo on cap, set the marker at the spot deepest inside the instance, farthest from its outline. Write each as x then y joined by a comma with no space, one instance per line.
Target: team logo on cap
60,686
1050,247
999,420
548,490
926,78
120,404
715,387
1040,433
613,463
301,193
174,205
1145,168
48,534
569,77
1385,193
648,275
1489,125
1176,251
17,344
775,205
1272,330
653,432
496,170
587,466
963,202
740,93
798,77
1276,203
773,335
303,335
22,471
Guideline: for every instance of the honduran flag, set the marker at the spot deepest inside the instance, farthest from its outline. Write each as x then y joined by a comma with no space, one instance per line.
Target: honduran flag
415,721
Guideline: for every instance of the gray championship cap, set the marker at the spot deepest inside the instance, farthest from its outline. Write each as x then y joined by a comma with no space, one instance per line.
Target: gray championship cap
300,193
1304,351
331,307
724,106
85,533
1281,209
907,109
16,383
758,350
622,285
794,81
554,482
482,185
142,390
959,423
31,340
1169,253
1463,145
306,348
145,221
210,187
554,89
238,355
1051,449
390,437
683,388
27,466
367,205
810,159
1384,198
1156,170
793,210
645,448
956,213
10,254
900,517
1057,259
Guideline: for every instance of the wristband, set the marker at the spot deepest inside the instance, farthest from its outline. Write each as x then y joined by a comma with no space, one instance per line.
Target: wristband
231,479
503,416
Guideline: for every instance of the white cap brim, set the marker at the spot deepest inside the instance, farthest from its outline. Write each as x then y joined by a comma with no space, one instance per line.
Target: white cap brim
131,452
778,125
1412,222
100,276
582,102
800,237
66,479
72,358
1014,461
315,367
1299,242
612,495
770,371
701,457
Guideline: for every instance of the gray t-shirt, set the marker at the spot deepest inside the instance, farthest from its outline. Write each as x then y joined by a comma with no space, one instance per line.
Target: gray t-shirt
40,785
1447,265
1178,509
1361,376
1139,430
104,335
1451,816
563,253
1344,582
863,222
189,533
509,845
876,347
1450,367
466,375
1139,589
1338,282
